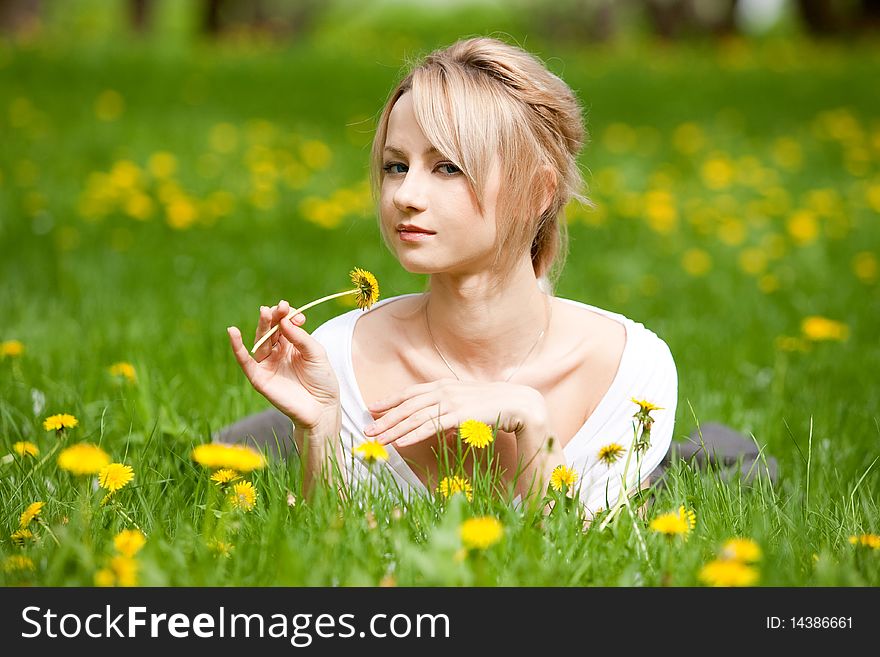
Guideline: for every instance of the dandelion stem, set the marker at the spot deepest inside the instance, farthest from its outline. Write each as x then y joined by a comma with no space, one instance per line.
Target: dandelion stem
295,311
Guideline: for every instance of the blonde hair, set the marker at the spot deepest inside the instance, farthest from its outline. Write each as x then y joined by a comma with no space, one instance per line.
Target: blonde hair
479,98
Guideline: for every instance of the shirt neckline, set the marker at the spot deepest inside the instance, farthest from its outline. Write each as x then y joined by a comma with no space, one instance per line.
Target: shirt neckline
595,417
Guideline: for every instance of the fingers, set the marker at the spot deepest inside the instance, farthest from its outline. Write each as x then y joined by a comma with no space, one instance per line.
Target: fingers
242,355
269,318
310,348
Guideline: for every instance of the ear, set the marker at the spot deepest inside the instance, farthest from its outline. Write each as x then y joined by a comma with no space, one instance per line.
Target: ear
547,181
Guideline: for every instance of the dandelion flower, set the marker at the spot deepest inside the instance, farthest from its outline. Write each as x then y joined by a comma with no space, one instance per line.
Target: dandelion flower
366,293
83,459
18,562
115,476
60,422
224,476
129,542
243,496
451,485
222,548
818,328
610,453
21,536
689,517
867,540
125,569
744,550
30,513
11,348
240,458
123,370
646,406
724,572
372,451
105,577
563,477
670,524
475,433
481,533
25,448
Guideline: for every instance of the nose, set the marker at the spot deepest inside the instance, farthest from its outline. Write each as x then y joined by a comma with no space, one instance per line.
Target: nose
411,192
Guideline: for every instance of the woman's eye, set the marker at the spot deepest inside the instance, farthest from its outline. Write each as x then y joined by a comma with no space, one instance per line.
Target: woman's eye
451,169
391,167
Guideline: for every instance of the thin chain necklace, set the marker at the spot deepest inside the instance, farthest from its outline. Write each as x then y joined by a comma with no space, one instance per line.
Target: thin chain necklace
540,335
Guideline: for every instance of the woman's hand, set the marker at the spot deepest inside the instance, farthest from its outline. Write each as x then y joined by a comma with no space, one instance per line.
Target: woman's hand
290,369
421,411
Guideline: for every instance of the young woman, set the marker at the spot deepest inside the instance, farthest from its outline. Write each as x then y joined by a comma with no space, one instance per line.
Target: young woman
473,162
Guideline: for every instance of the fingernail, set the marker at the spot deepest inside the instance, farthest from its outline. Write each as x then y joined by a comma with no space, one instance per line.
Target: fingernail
370,428
300,317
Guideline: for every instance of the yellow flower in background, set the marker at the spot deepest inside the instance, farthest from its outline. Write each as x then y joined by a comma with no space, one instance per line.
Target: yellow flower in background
224,476
455,484
240,458
818,328
689,517
372,451
724,572
481,533
123,370
125,569
688,138
11,348
316,154
475,433
803,227
717,172
18,562
221,548
60,422
105,578
866,540
83,459
129,542
744,550
696,262
243,496
563,478
109,105
162,164
610,453
670,524
25,448
865,267
115,476
30,513
21,536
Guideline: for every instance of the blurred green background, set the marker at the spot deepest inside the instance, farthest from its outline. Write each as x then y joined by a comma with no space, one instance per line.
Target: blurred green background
167,167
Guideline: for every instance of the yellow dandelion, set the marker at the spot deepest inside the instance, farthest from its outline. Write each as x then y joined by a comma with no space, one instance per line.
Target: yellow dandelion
670,524
481,533
366,294
818,328
25,448
60,422
475,433
372,451
724,572
451,485
563,478
224,476
866,540
222,548
105,577
83,459
367,288
610,453
123,370
129,542
240,458
125,569
11,348
645,406
744,550
21,536
688,516
115,476
18,562
30,513
243,496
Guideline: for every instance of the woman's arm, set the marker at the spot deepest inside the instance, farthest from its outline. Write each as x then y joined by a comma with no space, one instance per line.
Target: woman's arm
320,451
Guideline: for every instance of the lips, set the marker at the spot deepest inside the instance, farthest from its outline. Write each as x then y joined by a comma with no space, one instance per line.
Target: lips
410,228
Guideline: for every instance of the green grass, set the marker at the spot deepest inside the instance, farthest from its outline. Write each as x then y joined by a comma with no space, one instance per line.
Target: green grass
84,289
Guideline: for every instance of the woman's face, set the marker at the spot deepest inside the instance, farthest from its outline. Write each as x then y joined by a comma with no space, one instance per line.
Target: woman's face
423,188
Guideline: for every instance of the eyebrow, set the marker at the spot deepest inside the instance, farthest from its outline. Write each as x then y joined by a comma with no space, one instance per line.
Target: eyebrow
394,150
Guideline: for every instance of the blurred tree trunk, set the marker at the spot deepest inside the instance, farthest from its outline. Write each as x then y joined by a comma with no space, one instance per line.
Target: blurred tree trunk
19,15
140,12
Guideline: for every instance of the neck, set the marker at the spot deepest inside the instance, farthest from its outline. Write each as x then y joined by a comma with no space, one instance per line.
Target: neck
485,333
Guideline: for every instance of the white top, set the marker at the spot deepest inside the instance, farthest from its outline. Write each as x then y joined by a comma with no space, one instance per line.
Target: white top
646,372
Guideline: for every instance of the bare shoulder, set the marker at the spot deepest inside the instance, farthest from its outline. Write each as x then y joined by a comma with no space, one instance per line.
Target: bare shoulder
385,325
599,338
